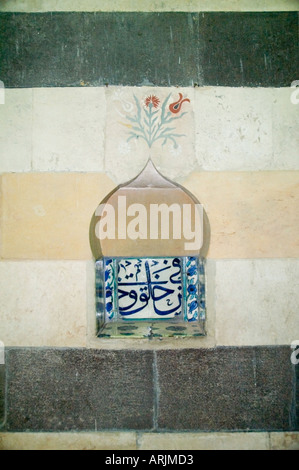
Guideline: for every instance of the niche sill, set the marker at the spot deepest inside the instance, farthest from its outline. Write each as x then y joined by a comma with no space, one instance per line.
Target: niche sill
151,330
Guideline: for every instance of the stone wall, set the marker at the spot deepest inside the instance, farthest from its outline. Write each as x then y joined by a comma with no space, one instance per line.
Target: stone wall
70,70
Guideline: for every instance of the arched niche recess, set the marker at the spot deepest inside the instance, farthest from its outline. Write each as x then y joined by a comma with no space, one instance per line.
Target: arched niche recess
149,238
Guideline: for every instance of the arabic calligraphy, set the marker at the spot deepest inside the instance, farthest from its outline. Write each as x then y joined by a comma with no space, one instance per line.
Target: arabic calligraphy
150,287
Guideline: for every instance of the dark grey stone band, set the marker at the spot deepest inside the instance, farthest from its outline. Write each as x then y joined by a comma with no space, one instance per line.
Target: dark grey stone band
160,49
222,389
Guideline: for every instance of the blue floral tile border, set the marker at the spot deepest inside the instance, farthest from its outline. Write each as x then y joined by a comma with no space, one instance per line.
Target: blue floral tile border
162,296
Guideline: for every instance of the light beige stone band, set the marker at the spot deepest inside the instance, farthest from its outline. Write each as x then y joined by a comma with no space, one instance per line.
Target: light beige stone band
46,216
149,441
147,5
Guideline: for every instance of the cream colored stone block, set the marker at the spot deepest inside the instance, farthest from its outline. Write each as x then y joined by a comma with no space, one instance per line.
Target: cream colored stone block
43,303
16,131
126,157
257,302
68,129
68,441
234,128
251,214
148,5
285,129
47,216
284,441
204,441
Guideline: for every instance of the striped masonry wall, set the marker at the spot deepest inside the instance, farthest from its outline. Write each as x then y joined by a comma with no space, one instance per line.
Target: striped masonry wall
69,72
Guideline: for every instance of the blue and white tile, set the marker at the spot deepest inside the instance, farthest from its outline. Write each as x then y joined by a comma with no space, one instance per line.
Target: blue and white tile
150,288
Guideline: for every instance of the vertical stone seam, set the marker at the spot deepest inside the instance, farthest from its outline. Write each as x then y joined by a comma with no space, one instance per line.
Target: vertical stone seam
156,392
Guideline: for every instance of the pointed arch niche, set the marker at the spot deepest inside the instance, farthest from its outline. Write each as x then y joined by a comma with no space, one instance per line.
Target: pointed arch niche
150,251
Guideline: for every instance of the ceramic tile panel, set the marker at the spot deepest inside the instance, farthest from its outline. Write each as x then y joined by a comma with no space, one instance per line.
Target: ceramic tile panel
150,289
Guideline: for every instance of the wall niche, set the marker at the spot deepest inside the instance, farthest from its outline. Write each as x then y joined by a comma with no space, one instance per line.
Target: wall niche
149,238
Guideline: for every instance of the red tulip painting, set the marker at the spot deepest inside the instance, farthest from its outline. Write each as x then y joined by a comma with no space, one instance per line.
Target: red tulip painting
176,107
154,120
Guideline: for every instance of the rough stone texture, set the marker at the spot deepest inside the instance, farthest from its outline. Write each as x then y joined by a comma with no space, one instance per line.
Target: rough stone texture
297,396
225,389
149,5
178,49
250,49
65,390
256,302
2,393
68,441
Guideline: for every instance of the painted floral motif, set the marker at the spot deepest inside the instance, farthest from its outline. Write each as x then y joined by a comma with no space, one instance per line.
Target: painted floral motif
152,101
175,108
155,121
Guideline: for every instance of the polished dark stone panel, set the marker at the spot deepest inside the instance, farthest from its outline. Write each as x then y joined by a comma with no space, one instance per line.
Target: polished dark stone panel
2,393
250,49
94,49
225,389
161,49
78,389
